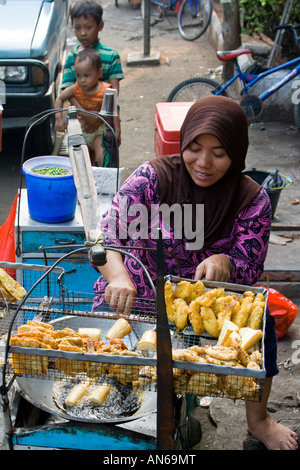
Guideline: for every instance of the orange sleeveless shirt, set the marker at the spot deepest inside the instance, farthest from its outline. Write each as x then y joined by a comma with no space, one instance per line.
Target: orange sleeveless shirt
91,102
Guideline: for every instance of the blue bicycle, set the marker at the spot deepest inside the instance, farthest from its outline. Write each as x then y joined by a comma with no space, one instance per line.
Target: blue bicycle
193,16
196,88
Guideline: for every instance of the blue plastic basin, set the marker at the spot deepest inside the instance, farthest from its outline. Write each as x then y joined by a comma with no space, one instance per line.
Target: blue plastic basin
51,199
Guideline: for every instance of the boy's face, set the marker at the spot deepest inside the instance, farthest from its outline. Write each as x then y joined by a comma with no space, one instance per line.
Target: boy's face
87,30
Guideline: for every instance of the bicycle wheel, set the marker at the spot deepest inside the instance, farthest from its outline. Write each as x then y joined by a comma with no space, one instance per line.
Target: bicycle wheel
155,12
193,18
193,89
297,116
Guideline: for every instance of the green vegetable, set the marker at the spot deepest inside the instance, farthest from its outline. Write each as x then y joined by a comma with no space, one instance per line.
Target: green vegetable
52,171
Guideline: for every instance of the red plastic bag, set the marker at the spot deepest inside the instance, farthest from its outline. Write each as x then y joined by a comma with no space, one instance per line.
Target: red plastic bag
7,237
282,310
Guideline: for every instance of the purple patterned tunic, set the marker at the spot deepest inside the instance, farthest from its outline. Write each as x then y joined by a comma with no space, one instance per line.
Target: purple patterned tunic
246,247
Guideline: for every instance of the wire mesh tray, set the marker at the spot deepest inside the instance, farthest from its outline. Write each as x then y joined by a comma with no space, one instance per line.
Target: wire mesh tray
234,381
62,371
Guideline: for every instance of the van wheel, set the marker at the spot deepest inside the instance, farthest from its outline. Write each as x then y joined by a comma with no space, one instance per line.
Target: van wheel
42,137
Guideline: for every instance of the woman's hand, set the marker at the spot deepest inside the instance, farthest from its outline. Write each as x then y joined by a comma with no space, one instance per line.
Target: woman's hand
120,292
214,268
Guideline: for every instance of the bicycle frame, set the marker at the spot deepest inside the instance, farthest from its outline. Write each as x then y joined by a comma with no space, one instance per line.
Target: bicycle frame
171,4
248,80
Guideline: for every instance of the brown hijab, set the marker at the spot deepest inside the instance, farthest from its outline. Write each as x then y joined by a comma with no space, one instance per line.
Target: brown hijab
223,118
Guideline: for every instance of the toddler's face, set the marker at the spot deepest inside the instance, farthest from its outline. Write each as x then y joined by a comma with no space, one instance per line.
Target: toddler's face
87,30
87,75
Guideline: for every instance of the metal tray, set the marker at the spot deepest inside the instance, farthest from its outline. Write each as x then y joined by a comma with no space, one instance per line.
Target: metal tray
207,339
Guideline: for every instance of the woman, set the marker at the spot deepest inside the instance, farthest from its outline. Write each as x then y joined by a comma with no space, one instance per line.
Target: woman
227,238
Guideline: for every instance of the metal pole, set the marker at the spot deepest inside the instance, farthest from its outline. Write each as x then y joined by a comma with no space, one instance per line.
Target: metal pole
147,28
165,406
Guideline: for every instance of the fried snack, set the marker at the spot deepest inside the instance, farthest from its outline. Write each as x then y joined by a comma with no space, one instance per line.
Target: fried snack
180,381
204,383
32,332
219,362
147,341
228,328
208,299
240,318
40,324
234,340
59,334
188,355
93,333
124,373
243,356
198,290
197,349
253,365
5,294
29,363
250,337
148,374
184,290
71,367
169,297
119,329
256,356
98,395
10,287
224,308
237,387
223,353
180,313
256,315
77,393
195,318
210,321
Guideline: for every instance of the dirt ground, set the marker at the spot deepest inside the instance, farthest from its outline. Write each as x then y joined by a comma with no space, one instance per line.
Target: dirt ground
223,423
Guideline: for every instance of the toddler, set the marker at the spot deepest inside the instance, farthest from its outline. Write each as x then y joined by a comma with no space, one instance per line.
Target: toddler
89,92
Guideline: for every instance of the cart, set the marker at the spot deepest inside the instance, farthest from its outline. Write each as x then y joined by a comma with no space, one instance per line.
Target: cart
150,400
150,407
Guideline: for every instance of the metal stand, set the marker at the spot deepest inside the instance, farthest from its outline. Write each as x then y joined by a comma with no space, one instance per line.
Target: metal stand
148,57
280,33
86,189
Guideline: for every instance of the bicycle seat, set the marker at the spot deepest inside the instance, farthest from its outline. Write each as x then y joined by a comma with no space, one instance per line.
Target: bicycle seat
229,55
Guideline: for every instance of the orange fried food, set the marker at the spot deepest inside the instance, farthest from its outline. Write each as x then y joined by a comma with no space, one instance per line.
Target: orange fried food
169,297
210,321
184,290
180,313
240,318
195,316
29,363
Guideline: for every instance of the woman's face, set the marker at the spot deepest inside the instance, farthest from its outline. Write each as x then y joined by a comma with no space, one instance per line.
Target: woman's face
206,160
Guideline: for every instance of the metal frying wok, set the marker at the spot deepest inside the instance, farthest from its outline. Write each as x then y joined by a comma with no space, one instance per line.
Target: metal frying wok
126,404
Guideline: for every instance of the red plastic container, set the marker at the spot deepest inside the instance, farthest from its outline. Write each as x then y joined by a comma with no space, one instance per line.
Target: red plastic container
168,120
